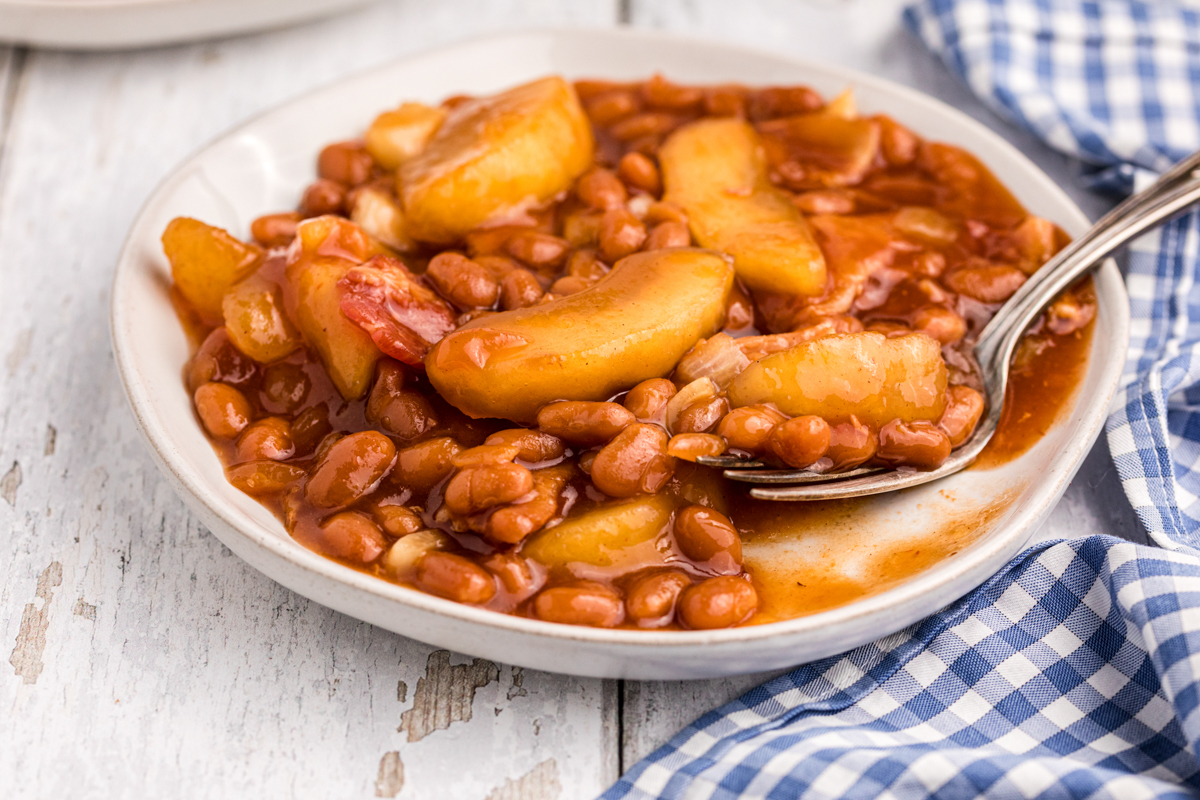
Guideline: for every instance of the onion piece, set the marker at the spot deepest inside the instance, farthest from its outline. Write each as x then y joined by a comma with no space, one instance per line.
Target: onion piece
718,358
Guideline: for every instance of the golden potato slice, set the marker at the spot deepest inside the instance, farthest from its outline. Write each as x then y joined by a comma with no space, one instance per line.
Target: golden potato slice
494,157
257,322
380,215
867,375
716,170
635,323
205,262
329,247
609,535
396,136
345,349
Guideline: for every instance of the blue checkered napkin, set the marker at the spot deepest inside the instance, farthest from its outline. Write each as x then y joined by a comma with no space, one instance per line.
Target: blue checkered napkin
1071,674
1115,84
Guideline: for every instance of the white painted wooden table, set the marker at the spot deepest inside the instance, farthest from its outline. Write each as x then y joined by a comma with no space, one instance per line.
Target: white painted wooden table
138,657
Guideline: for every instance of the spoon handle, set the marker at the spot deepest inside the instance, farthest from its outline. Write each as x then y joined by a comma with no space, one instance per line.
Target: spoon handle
1173,192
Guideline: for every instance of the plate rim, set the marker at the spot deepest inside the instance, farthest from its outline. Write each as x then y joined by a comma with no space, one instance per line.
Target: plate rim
938,576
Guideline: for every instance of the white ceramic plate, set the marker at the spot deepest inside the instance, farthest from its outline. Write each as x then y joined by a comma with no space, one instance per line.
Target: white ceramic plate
103,24
263,166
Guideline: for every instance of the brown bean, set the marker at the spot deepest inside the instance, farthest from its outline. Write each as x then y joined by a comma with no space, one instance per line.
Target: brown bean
477,489
621,233
636,461
851,444
647,124
584,264
351,468
532,446
405,413
600,188
323,197
964,407
690,446
583,422
581,603
569,284
422,466
285,387
397,520
218,359
497,266
802,441
610,107
651,599
782,101
709,538
720,602
537,249
658,92
898,143
267,439
275,230
919,444
749,428
463,282
519,289
663,211
223,410
648,400
348,163
454,578
263,477
668,234
987,283
581,228
485,454
349,535
941,323
702,416
517,576
640,172
310,427
725,101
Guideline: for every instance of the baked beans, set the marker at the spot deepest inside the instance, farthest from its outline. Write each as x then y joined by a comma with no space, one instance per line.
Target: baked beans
322,381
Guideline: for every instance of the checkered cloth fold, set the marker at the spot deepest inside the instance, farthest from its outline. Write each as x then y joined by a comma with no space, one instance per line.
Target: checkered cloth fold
1075,671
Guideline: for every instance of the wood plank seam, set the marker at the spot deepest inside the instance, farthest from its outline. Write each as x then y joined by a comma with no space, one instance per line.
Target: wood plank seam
11,76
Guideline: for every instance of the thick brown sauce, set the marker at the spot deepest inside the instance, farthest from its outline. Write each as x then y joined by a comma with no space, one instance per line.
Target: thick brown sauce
1041,388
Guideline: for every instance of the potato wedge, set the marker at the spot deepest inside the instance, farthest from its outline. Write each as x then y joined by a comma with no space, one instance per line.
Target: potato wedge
205,262
328,248
494,157
716,170
609,535
635,323
396,136
257,322
380,215
866,375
